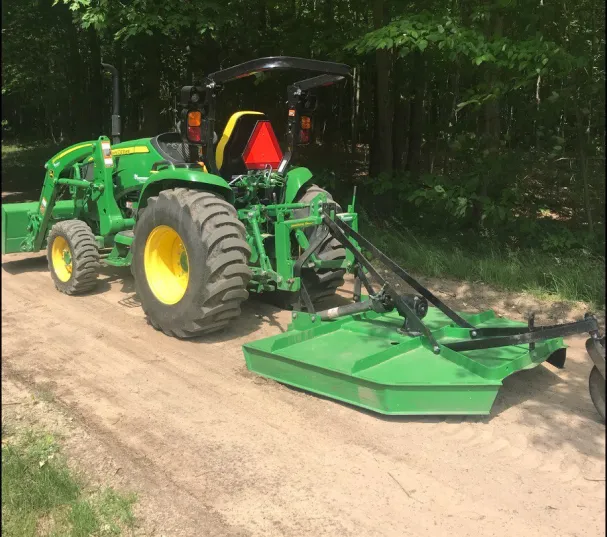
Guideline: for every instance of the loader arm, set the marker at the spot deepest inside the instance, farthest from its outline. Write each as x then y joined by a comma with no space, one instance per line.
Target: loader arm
99,189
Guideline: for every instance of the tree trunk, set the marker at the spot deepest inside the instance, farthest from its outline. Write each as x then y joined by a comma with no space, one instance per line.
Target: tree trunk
152,103
492,130
74,123
416,121
584,166
96,87
383,100
355,108
121,66
399,124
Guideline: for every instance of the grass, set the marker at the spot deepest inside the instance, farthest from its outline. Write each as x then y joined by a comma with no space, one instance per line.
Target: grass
42,496
571,277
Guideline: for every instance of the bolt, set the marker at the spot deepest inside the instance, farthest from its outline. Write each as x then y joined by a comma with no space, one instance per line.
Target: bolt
436,349
313,318
294,315
473,333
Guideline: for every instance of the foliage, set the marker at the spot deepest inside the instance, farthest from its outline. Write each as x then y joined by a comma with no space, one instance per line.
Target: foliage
40,494
145,17
496,108
447,37
566,275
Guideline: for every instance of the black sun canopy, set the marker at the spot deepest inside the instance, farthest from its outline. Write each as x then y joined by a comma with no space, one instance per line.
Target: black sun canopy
271,63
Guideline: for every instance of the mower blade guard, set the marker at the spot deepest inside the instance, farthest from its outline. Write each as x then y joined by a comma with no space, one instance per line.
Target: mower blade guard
363,360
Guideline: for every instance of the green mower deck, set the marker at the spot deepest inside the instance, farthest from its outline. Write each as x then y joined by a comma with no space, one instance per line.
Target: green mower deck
362,360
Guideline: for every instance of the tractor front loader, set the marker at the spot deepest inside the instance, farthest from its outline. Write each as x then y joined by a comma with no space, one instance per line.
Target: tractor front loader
204,220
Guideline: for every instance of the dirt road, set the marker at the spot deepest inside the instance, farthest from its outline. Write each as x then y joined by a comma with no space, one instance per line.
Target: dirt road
214,450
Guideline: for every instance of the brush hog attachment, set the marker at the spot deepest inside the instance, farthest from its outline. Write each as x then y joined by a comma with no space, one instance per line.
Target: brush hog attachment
395,353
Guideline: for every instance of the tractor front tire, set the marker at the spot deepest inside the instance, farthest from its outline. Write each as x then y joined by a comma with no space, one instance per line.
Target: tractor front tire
190,262
73,257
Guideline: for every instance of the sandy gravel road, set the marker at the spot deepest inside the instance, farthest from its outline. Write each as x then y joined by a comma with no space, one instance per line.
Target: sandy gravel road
214,450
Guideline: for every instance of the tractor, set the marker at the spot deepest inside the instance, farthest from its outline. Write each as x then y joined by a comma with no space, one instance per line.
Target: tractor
204,220
201,224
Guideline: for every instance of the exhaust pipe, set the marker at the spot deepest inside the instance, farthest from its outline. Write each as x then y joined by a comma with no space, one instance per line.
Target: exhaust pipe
116,127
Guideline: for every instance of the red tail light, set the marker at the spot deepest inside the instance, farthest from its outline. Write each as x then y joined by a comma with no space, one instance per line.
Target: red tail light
193,134
304,136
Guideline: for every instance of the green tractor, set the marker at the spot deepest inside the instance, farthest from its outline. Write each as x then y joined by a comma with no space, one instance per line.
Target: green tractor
201,224
203,221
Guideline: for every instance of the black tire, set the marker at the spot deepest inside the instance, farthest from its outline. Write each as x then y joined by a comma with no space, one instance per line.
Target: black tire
217,256
596,385
74,238
320,283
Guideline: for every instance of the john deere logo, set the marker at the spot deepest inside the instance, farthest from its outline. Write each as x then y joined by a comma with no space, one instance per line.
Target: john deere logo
138,149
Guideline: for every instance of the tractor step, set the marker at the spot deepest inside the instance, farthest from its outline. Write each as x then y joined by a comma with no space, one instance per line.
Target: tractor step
364,361
125,237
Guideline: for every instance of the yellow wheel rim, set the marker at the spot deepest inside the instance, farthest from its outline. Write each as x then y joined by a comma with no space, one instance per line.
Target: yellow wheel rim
62,259
166,265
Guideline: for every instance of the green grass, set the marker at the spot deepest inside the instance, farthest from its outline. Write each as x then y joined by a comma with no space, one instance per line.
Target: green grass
576,276
42,496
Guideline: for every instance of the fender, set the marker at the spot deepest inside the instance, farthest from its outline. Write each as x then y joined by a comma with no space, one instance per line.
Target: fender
70,156
185,178
296,178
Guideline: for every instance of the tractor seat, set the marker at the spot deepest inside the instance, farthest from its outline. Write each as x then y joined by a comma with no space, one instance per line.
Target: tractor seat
238,130
171,147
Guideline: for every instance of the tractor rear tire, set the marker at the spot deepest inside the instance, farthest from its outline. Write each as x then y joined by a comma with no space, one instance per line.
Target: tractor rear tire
73,257
596,385
190,262
320,283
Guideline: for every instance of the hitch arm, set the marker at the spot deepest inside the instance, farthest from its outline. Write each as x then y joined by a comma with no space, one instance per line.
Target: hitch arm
515,336
423,291
412,321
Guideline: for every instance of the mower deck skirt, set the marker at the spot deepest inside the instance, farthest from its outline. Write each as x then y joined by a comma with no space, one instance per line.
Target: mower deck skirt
362,360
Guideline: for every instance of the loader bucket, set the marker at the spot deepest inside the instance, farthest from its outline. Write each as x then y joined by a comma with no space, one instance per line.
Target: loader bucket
15,218
364,361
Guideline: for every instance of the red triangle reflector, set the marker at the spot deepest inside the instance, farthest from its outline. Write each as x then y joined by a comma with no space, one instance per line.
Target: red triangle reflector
262,149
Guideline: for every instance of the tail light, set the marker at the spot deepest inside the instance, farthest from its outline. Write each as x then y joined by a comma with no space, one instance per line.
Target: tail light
193,126
305,130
